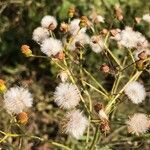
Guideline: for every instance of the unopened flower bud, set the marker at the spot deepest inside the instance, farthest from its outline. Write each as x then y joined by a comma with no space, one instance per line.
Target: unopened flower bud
104,31
64,27
71,12
60,55
105,69
84,21
114,32
63,76
26,50
2,86
143,55
118,12
22,118
140,65
138,19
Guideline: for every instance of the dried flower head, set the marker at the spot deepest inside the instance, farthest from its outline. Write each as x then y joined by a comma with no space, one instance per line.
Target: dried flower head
146,18
96,44
142,53
66,95
40,34
49,22
75,124
139,123
64,27
104,126
2,86
60,55
22,118
26,50
135,92
16,99
105,69
51,46
99,108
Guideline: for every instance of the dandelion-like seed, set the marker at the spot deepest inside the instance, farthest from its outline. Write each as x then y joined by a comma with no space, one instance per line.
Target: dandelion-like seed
66,95
130,38
75,124
96,44
51,46
135,92
146,18
82,38
49,22
40,34
139,123
16,99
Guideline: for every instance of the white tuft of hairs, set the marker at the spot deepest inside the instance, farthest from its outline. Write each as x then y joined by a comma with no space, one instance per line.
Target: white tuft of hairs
16,99
135,92
51,46
66,95
139,123
76,124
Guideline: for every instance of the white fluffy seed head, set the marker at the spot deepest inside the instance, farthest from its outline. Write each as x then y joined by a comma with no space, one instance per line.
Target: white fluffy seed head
74,27
66,95
131,39
49,22
51,46
146,18
16,99
82,38
40,34
76,124
135,92
96,44
139,123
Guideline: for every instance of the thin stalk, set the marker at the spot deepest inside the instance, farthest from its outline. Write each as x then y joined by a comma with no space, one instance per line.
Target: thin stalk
97,83
96,89
134,78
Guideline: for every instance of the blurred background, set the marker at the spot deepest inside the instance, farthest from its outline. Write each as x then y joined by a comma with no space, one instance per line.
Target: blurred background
18,19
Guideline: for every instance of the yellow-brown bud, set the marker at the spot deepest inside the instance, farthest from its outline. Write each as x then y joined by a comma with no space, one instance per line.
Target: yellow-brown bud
84,21
118,12
71,12
104,31
2,86
26,50
64,27
22,118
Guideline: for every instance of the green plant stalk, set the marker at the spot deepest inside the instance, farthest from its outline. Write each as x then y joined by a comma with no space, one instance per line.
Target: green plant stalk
95,139
112,101
96,89
97,83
